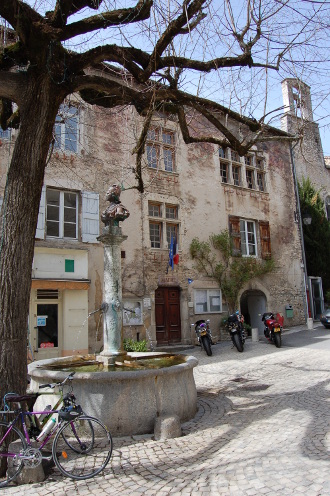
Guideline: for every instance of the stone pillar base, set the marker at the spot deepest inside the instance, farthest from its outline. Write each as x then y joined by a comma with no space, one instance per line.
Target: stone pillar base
167,427
109,360
310,324
255,334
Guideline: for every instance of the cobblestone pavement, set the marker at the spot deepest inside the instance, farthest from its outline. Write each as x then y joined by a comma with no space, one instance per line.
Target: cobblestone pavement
262,428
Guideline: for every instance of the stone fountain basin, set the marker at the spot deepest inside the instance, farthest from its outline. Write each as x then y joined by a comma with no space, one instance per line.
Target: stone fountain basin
127,402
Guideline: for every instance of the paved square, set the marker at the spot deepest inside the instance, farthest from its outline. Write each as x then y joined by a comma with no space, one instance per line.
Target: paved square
262,428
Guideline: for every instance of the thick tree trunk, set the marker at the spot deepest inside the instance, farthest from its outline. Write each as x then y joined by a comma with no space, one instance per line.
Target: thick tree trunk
20,215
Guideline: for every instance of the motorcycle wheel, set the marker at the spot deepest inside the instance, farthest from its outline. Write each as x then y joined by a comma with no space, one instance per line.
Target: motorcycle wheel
277,339
237,342
207,345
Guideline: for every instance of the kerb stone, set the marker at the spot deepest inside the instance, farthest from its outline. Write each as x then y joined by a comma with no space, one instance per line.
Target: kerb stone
167,427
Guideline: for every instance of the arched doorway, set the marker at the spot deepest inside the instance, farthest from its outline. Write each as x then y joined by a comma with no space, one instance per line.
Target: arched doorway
253,304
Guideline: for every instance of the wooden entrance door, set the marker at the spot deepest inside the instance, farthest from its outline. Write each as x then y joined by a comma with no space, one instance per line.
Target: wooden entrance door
168,321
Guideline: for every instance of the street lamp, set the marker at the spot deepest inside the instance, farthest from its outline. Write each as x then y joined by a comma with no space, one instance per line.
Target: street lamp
306,218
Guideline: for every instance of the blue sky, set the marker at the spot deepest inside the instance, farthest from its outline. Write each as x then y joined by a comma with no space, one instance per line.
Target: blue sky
304,23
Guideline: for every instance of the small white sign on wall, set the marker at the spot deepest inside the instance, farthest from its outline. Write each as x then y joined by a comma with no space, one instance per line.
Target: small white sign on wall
147,302
41,320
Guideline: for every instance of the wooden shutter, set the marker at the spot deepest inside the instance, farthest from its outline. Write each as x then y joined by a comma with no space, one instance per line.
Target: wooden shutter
235,233
265,239
40,231
90,224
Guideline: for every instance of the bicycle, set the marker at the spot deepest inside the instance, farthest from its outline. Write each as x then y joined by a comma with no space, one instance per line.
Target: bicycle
81,445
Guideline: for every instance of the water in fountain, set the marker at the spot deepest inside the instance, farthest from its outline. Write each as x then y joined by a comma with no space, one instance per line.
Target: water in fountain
75,350
149,337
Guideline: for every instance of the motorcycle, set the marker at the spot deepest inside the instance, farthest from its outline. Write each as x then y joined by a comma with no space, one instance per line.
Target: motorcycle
204,336
273,327
235,327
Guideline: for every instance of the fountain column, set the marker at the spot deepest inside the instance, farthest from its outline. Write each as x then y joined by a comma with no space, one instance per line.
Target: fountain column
112,239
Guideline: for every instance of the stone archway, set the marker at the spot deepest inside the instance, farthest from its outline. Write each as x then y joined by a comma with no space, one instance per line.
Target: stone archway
253,303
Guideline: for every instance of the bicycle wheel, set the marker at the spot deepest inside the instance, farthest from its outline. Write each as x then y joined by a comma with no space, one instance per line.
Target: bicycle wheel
13,445
82,448
71,438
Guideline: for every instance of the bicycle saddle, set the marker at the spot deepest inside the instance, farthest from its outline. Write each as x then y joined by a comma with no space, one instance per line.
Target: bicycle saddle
15,398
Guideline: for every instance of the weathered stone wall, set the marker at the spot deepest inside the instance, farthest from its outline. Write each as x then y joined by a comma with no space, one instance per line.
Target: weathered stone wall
107,138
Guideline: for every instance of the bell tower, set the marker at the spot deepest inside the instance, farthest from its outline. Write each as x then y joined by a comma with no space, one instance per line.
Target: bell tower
297,99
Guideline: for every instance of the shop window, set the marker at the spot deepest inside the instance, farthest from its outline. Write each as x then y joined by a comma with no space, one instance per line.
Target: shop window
207,301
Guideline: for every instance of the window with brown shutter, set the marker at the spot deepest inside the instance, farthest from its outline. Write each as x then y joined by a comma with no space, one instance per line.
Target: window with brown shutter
265,239
235,233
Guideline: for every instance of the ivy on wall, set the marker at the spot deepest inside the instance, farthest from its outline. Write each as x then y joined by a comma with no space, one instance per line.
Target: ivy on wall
214,258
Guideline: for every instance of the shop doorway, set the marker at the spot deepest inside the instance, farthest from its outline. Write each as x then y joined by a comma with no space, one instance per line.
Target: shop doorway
168,320
317,296
46,335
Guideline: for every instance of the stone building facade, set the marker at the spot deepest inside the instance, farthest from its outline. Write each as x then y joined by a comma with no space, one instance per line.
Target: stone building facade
309,162
190,191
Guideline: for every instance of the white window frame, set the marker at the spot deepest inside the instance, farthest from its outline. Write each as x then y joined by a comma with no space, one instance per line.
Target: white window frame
63,129
252,162
209,295
245,238
163,221
157,148
61,214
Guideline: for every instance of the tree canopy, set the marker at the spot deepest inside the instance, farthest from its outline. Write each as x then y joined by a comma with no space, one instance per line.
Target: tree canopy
316,234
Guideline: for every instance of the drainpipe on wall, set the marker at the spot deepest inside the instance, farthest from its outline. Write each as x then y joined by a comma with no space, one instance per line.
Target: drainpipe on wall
296,190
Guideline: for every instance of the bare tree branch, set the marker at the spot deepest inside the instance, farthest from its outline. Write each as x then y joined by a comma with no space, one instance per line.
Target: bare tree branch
65,8
113,18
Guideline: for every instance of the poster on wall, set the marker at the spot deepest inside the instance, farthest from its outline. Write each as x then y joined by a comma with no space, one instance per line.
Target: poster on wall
132,312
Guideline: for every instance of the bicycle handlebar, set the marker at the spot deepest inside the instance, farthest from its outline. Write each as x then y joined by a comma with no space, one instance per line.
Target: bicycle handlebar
54,384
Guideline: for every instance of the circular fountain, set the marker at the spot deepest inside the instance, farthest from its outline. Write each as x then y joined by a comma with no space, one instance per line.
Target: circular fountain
128,402
125,393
